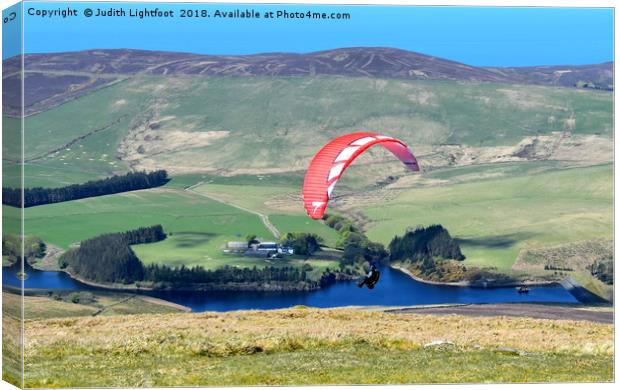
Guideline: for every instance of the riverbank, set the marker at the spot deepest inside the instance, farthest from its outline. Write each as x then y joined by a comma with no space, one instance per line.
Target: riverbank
108,286
49,262
163,302
44,304
419,279
465,283
572,286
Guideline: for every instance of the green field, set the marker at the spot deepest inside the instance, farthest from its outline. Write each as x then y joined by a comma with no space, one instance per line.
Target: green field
11,147
494,219
11,220
282,204
479,172
100,120
301,223
200,227
250,196
287,180
495,210
190,249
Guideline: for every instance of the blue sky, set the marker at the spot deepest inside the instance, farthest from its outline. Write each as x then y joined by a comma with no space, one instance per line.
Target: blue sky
473,35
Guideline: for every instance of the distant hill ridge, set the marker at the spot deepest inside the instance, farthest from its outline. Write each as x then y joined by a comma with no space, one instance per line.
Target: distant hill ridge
52,79
380,62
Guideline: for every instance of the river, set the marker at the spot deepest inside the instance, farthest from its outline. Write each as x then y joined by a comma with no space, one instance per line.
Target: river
394,289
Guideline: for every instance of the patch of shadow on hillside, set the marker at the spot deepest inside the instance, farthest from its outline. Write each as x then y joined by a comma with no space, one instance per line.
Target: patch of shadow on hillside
191,239
496,242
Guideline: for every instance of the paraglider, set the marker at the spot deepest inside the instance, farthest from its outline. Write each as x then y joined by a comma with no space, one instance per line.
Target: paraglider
371,279
332,160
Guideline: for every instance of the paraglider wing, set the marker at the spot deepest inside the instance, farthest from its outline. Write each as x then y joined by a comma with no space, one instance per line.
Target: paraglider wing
332,160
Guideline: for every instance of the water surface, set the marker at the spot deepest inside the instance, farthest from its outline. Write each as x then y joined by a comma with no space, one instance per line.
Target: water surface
394,289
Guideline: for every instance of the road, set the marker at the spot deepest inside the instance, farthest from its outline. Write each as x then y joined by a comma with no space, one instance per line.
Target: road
263,217
602,314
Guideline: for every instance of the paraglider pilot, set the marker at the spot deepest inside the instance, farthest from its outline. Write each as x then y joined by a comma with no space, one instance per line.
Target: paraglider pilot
371,279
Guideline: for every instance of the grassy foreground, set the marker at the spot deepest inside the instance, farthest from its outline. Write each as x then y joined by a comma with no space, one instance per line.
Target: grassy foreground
311,346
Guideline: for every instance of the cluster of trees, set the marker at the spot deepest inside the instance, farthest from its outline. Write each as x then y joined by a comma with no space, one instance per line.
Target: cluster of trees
551,267
357,248
109,258
603,270
303,243
339,223
83,297
34,248
112,185
226,274
144,235
424,244
593,85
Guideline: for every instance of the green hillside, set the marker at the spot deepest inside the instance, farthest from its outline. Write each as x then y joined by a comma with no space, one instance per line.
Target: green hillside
254,124
496,218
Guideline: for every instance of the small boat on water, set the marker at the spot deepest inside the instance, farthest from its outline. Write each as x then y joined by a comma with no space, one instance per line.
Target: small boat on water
523,290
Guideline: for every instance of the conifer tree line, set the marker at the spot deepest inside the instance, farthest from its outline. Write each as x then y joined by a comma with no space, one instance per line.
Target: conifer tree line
112,185
106,259
109,258
225,274
425,243
144,235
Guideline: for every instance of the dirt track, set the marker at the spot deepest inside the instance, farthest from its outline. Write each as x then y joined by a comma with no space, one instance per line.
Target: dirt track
554,312
264,218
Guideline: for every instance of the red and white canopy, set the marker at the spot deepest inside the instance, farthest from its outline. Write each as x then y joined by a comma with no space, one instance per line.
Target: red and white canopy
332,160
